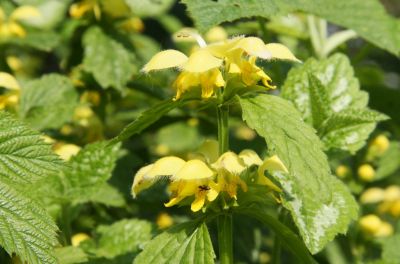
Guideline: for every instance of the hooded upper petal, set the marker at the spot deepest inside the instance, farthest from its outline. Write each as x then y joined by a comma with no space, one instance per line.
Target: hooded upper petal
8,81
165,59
201,61
230,162
280,52
253,46
25,12
193,170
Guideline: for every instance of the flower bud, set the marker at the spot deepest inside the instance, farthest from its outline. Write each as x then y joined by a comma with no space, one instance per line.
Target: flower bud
342,171
392,193
366,172
384,230
372,195
395,208
164,220
79,238
370,223
378,146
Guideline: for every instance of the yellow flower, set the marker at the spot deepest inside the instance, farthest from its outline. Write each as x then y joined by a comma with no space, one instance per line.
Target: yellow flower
205,180
164,220
372,195
66,151
11,97
378,147
373,225
79,238
78,10
9,26
366,172
202,67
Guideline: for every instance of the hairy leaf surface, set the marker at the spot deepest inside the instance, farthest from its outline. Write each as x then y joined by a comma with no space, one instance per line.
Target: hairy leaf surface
329,97
48,102
368,18
184,243
320,219
108,60
25,227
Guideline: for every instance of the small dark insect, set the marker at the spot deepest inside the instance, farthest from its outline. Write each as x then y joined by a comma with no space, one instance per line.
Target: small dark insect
204,188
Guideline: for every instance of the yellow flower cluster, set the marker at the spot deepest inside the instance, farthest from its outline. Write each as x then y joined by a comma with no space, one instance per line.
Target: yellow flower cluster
10,26
209,66
11,96
205,178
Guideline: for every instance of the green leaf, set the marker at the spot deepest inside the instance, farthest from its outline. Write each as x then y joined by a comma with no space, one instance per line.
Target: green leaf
349,129
70,255
390,249
289,239
108,195
122,237
296,144
24,156
184,243
108,60
25,227
89,171
149,8
389,163
371,21
147,118
48,102
328,96
41,40
319,101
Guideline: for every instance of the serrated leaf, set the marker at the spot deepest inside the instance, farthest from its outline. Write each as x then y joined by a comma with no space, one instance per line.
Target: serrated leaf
48,102
149,8
349,129
289,239
108,60
330,97
335,74
122,237
146,118
25,228
319,101
89,171
184,243
40,40
70,255
371,21
296,144
24,156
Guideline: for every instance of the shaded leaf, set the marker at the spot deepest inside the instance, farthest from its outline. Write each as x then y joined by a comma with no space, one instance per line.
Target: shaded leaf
108,60
184,243
70,255
48,102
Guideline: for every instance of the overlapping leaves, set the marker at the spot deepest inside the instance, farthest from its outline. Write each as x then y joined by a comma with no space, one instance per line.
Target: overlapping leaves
297,145
328,96
25,227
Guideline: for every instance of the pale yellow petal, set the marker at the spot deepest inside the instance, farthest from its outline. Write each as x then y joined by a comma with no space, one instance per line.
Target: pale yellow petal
219,79
8,81
25,12
274,164
198,202
16,29
230,162
253,46
194,170
281,52
220,49
250,157
139,182
216,34
174,201
213,193
201,61
66,151
167,166
165,59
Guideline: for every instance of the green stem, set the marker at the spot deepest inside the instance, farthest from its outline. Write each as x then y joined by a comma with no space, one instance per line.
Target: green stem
223,128
225,240
65,224
276,251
